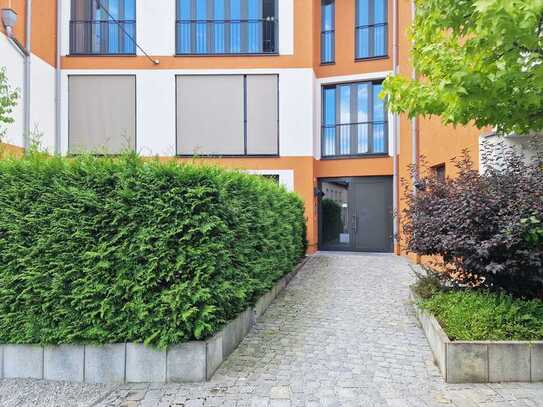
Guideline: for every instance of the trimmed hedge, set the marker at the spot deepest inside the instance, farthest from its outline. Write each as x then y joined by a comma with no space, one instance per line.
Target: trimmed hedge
105,250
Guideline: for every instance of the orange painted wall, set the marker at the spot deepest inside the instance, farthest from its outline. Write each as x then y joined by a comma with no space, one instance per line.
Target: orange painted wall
44,30
10,150
44,22
345,63
19,7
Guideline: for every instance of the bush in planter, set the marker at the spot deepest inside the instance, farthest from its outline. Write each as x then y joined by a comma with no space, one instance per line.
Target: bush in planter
478,223
101,250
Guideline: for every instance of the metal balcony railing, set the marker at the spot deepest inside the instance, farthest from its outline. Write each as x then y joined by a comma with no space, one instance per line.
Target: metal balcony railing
216,37
355,139
104,37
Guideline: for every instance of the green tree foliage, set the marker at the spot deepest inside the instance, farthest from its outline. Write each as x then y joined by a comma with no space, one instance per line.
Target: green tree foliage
105,250
481,62
8,100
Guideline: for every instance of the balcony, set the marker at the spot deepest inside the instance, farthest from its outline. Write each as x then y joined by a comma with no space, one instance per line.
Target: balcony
227,37
104,37
355,139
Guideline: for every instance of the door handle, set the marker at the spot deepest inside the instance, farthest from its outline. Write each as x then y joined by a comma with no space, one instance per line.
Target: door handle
355,223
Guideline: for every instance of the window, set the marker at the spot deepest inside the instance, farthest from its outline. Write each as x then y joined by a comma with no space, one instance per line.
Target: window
328,34
439,172
227,115
102,113
354,120
103,27
371,28
226,27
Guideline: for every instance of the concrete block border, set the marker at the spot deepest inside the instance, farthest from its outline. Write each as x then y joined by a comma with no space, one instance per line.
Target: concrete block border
481,361
195,361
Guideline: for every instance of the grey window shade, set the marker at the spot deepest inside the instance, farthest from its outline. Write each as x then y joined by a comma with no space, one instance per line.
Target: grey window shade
210,114
262,114
102,113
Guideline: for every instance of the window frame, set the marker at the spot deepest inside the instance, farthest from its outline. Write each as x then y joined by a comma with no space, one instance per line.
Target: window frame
332,33
116,22
337,125
226,54
372,25
135,111
245,127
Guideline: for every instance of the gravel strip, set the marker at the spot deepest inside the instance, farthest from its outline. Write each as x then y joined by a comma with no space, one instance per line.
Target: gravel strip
41,393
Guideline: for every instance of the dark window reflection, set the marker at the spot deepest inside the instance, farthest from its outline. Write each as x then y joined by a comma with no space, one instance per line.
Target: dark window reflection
335,213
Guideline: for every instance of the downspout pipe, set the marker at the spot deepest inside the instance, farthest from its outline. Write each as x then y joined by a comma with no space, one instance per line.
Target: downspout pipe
396,130
414,121
27,75
58,78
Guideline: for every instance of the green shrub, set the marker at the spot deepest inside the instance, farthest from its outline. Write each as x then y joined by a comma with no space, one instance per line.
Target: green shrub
102,250
469,315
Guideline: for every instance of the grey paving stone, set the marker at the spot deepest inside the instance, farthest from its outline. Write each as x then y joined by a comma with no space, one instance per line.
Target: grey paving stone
343,333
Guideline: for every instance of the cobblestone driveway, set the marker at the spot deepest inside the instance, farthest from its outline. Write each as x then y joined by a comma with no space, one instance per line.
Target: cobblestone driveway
342,334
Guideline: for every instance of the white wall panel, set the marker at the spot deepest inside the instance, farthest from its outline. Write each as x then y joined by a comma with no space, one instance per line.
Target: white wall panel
286,27
13,61
42,103
156,107
155,26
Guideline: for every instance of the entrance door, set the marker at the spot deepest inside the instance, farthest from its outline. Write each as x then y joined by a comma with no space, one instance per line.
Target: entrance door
356,214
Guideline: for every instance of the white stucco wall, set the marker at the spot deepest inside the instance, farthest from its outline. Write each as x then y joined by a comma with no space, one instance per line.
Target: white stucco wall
156,113
13,61
527,145
42,103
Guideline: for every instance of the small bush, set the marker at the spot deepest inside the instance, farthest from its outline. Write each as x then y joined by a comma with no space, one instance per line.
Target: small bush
485,226
478,315
104,250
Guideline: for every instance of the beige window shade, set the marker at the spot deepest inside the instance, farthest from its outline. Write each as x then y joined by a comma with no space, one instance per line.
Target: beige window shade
262,114
210,111
102,114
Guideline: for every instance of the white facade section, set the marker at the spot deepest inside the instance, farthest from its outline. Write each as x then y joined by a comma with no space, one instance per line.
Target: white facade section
13,61
286,27
42,104
42,97
155,26
319,83
156,113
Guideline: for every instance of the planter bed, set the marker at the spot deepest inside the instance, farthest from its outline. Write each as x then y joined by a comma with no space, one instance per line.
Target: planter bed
481,361
194,361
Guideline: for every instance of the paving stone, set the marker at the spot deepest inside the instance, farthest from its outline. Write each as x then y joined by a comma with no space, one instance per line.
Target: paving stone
343,333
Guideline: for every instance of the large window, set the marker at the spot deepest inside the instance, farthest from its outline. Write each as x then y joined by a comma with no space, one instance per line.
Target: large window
371,28
227,115
354,120
103,27
226,27
328,34
102,113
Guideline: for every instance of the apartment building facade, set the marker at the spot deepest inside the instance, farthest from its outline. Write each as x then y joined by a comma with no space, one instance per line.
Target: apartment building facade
283,88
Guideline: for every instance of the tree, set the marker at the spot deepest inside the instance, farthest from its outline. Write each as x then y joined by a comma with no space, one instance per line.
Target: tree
8,100
481,62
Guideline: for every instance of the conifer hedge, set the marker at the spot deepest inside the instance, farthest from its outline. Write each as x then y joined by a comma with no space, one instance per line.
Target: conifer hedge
107,250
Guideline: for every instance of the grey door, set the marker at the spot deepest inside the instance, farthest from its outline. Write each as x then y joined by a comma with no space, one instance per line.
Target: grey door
372,217
356,214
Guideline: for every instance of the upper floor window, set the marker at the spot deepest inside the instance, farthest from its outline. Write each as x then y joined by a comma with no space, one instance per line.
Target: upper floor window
328,34
226,27
354,120
371,28
103,27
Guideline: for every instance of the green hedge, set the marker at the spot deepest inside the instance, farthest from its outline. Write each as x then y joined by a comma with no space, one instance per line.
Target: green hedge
104,250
